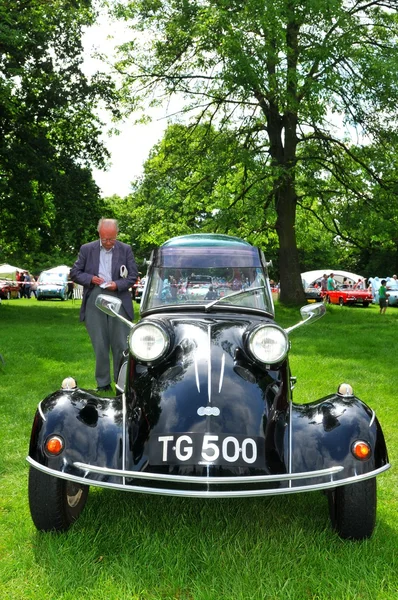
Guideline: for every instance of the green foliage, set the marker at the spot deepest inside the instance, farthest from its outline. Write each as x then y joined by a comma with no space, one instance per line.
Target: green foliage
285,76
49,135
198,179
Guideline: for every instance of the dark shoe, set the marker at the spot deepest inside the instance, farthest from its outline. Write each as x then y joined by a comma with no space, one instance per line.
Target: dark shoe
104,388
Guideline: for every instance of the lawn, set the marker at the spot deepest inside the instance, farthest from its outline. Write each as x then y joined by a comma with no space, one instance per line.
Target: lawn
140,547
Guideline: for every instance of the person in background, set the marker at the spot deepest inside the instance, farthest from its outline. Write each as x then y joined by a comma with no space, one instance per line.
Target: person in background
20,278
106,266
27,283
330,283
211,294
359,285
33,286
71,287
383,297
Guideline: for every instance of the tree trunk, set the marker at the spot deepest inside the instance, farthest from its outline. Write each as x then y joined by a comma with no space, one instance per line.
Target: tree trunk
291,287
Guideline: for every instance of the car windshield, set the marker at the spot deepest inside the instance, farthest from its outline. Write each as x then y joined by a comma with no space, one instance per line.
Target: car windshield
52,278
233,276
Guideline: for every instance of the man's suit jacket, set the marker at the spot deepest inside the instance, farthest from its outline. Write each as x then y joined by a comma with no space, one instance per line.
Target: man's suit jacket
87,265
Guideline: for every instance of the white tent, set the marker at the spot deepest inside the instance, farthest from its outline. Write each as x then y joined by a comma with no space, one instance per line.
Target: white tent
9,271
310,277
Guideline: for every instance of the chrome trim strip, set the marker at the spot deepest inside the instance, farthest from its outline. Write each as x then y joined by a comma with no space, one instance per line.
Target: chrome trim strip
221,373
372,420
209,363
124,440
206,494
41,413
195,362
191,479
290,459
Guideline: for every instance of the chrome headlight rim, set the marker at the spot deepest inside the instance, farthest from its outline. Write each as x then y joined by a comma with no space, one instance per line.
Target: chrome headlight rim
153,328
269,359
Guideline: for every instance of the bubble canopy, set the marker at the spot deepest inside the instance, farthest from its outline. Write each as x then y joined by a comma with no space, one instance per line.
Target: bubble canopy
207,251
202,268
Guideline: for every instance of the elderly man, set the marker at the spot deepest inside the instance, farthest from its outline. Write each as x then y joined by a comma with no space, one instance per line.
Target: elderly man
105,266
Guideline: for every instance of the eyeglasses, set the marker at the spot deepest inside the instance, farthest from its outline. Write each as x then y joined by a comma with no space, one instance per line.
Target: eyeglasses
108,239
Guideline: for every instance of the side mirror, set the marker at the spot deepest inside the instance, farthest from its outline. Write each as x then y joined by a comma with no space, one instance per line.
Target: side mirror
110,305
309,312
312,312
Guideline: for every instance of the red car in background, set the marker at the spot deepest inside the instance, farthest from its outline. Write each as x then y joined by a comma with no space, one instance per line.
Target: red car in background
344,294
9,289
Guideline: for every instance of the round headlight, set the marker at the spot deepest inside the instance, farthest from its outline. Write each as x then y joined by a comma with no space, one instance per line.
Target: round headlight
268,344
148,341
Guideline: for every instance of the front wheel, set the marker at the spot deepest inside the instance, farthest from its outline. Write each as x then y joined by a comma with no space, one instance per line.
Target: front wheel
54,503
341,301
352,509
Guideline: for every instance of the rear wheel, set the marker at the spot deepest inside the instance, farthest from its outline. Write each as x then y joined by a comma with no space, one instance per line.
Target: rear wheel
54,503
352,509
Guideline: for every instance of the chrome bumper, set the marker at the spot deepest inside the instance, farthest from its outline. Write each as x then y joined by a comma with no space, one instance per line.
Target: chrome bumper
208,481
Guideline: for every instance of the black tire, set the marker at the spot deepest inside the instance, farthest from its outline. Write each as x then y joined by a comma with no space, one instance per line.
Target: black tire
365,304
341,301
54,503
352,509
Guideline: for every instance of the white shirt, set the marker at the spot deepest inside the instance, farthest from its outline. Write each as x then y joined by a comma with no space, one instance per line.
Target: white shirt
105,264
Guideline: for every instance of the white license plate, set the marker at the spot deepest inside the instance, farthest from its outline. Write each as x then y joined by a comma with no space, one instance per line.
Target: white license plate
207,449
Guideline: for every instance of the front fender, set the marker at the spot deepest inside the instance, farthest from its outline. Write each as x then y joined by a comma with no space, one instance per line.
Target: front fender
324,431
90,427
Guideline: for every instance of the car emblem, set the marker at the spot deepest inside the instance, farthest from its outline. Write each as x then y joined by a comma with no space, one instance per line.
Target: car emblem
208,411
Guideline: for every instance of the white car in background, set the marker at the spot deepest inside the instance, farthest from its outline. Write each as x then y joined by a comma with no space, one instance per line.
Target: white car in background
392,289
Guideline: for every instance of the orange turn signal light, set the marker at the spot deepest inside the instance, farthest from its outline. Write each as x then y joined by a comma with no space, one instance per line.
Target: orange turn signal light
361,450
54,445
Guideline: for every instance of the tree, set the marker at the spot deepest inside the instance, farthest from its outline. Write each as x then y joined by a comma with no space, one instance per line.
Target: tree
282,73
197,179
49,134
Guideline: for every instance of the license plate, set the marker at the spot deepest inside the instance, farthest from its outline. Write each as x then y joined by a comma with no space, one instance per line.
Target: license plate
207,449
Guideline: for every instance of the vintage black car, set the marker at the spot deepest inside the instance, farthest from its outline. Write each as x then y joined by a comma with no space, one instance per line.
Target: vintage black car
205,406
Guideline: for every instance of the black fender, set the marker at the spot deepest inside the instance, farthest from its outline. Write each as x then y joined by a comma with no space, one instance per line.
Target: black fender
323,433
90,427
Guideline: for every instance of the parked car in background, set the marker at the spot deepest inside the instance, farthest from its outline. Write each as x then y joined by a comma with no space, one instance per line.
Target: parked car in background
346,295
392,289
9,289
138,289
52,285
198,286
313,294
206,406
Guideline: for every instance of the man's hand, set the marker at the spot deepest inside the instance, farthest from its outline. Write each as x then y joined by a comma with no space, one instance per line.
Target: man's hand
97,280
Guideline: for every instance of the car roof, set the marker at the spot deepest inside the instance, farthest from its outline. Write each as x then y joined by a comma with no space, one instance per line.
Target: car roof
207,250
205,239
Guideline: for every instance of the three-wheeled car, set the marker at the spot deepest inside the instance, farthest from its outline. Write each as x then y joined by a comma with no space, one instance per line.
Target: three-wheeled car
205,404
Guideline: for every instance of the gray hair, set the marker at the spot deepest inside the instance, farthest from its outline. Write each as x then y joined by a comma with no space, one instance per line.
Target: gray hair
104,221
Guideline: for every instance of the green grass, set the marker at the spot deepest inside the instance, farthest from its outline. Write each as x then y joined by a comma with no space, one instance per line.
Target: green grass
137,547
